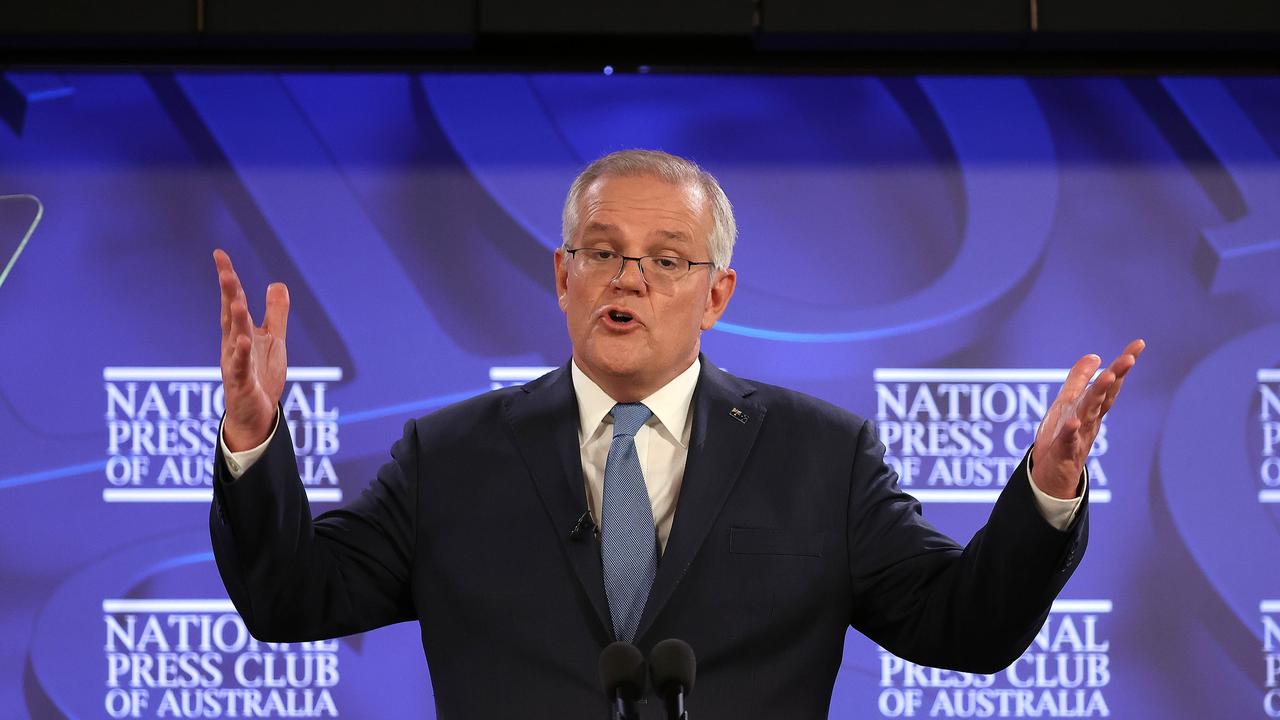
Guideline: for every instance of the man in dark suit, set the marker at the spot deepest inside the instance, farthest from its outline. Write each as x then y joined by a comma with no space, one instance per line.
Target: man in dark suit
753,522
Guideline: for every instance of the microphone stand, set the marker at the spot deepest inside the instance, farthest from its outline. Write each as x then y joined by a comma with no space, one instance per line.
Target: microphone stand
622,709
675,704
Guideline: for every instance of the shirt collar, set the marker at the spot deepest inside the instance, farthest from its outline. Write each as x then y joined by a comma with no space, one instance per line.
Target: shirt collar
670,404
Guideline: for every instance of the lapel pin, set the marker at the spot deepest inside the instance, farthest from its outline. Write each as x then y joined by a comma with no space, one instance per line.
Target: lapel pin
738,415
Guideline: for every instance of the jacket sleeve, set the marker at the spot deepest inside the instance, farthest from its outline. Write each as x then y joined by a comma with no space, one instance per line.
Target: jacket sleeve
924,598
296,579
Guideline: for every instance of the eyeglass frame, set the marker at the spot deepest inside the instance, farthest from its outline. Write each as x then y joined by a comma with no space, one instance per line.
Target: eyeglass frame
640,266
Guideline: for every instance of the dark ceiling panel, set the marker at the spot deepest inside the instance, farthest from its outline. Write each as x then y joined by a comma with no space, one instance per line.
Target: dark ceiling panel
334,19
88,18
652,17
1160,16
911,17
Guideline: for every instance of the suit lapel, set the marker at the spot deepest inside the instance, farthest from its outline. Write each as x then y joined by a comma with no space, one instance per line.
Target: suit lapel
544,422
725,424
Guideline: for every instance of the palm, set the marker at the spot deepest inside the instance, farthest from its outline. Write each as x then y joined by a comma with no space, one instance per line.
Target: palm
1072,423
268,364
254,360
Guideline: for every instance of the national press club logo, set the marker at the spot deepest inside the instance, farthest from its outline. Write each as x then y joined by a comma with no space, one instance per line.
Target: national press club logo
162,429
1269,492
1065,673
1269,428
954,435
1270,612
146,631
194,658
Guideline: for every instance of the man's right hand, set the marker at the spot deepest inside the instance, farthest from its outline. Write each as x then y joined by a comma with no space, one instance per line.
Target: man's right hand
253,359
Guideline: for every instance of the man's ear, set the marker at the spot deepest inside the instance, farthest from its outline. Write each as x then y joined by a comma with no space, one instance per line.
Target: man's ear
561,262
718,296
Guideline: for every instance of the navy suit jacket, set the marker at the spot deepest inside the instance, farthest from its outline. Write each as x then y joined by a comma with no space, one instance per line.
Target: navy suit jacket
789,528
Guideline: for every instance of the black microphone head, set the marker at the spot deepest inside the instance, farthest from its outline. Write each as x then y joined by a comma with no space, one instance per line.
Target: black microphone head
671,663
622,670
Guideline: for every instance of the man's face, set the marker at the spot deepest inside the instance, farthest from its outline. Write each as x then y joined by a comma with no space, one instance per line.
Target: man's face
626,337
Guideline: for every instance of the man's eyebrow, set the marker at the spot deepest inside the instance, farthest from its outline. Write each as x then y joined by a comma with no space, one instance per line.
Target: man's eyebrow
600,227
673,235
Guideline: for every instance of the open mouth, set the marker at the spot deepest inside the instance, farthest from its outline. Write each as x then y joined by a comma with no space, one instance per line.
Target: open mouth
619,319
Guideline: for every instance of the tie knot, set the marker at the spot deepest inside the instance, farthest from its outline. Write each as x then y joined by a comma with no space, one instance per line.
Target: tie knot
628,418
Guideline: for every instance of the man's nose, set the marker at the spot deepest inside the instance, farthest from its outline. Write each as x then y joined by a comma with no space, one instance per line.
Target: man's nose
630,276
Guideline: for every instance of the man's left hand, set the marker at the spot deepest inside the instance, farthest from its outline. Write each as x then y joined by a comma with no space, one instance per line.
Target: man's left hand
1069,428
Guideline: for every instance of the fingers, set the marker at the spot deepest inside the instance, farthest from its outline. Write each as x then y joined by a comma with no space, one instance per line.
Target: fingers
1102,394
1078,411
1112,392
239,330
1135,347
1121,367
221,260
223,264
1067,404
276,319
1078,377
1127,358
231,290
1089,409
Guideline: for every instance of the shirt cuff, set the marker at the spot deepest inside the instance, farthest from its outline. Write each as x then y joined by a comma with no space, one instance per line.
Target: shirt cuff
238,463
1057,512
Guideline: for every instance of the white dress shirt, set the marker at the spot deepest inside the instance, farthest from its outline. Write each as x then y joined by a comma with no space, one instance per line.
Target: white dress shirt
662,446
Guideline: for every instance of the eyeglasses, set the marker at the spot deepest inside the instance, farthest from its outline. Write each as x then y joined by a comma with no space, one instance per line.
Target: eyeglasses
660,272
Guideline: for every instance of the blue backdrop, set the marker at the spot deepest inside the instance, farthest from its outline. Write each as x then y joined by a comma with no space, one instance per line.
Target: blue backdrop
931,252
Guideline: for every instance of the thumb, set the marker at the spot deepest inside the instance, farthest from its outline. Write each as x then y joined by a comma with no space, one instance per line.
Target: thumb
276,318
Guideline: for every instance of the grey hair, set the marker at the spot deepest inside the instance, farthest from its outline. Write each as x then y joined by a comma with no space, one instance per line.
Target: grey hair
669,168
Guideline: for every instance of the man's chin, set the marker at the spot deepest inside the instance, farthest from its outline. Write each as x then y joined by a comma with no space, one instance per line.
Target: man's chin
614,365
621,369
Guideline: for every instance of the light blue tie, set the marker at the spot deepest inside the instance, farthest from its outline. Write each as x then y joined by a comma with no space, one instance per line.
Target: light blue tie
629,544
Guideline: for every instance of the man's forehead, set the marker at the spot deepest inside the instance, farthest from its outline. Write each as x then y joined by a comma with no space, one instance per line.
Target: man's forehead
683,206
609,229
641,188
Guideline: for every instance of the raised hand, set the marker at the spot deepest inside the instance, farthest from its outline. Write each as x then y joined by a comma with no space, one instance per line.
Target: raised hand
1069,428
253,359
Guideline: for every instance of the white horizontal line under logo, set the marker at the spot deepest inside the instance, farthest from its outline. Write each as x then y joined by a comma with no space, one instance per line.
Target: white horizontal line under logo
1081,606
166,605
211,374
1056,375
517,374
966,495
191,495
